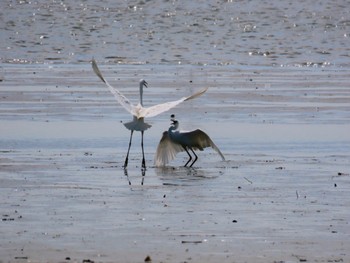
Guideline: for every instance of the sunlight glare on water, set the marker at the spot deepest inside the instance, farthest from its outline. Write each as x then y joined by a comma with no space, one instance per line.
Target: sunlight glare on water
265,33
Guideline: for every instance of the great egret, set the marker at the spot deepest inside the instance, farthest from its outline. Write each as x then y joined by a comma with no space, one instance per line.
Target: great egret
138,111
174,141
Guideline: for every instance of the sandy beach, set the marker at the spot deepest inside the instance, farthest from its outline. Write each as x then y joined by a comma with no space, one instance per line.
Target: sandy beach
278,107
280,196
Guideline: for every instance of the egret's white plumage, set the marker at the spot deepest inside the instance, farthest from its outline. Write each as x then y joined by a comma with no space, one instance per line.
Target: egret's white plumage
174,141
138,111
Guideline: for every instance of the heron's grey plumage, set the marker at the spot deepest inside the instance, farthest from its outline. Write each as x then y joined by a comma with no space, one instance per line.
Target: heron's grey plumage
174,141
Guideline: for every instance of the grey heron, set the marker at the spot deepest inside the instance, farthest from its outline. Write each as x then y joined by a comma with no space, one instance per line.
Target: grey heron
174,141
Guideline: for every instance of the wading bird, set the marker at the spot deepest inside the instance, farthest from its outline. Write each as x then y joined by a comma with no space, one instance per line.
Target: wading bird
174,141
138,111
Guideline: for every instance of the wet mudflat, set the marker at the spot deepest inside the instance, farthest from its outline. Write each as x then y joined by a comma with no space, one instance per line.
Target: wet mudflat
280,196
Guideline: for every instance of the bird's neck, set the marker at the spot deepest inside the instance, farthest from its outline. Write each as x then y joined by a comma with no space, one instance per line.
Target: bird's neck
173,128
141,94
174,134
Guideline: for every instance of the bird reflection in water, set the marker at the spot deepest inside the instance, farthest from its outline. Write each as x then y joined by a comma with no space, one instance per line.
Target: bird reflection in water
143,174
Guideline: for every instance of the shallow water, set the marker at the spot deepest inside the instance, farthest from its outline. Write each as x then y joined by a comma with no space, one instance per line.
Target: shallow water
284,134
284,33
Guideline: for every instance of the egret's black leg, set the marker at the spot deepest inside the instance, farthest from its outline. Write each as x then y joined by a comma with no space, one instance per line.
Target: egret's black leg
127,155
188,155
143,153
195,157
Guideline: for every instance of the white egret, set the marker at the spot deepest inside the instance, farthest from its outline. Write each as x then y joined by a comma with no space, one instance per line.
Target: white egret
174,141
138,111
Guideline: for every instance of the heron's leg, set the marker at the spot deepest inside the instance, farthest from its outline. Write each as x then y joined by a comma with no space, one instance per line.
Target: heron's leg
195,157
143,153
127,155
188,155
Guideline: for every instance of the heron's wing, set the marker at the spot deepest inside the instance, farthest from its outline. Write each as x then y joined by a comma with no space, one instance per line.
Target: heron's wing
166,150
160,108
199,140
119,97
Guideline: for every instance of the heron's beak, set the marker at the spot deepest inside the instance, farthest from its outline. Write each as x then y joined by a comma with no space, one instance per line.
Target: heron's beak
145,84
173,121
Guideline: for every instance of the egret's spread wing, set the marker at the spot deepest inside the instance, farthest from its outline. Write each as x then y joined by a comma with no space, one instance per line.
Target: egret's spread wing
119,97
200,140
196,94
160,108
166,150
